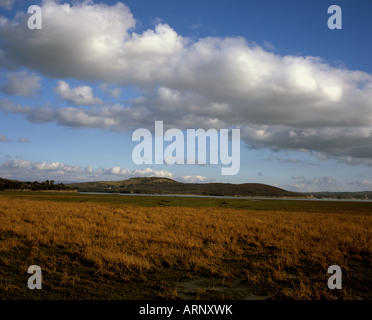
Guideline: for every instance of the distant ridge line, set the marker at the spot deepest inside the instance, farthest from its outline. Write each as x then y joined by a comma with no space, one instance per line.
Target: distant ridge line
158,185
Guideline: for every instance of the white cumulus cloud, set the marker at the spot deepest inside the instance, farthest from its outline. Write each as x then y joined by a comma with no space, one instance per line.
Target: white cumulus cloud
41,170
82,95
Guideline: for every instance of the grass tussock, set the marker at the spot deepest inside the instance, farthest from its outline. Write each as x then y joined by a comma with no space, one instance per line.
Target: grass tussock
285,253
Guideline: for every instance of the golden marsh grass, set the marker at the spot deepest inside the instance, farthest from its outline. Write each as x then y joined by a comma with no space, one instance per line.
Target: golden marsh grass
285,253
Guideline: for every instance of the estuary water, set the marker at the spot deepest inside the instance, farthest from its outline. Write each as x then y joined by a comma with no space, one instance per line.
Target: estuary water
225,197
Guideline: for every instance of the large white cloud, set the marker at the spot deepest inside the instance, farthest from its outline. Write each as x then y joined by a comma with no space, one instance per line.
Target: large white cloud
280,102
87,41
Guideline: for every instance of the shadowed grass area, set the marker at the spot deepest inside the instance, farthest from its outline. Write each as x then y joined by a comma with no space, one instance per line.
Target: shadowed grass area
134,247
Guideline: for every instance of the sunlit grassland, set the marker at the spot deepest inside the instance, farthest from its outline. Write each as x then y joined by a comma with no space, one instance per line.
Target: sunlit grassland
129,247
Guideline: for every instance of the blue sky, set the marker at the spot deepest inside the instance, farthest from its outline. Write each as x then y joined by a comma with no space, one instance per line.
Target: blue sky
72,93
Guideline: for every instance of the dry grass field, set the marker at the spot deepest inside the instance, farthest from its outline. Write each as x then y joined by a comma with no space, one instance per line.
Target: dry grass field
108,250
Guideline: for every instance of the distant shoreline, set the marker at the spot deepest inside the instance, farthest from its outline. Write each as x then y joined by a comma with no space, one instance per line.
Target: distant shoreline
226,197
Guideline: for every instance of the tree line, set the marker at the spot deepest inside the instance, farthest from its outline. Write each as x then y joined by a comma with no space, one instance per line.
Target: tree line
34,186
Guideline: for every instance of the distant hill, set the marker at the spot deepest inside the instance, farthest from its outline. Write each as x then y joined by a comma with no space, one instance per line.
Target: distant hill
168,186
155,185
